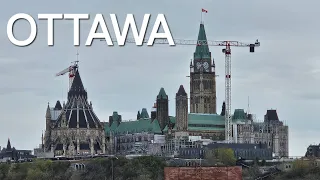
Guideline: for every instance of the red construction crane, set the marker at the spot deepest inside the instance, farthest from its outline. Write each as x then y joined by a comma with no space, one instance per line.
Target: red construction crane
227,52
71,70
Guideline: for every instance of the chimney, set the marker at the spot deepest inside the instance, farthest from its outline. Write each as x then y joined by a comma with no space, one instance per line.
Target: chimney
154,112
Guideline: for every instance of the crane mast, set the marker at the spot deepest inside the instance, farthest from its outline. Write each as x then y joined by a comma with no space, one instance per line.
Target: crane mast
227,52
228,124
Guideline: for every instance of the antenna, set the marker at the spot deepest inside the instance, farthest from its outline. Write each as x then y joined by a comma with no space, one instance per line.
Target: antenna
248,110
77,55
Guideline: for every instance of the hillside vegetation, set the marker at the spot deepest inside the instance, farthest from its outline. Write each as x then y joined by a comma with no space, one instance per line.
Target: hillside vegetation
142,168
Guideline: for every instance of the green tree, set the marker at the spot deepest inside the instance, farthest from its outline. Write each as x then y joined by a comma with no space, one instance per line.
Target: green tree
221,156
4,168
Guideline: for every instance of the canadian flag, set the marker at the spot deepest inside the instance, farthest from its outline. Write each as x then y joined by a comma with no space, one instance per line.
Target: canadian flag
203,10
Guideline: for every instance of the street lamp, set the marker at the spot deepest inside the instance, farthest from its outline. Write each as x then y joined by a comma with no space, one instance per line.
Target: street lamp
112,167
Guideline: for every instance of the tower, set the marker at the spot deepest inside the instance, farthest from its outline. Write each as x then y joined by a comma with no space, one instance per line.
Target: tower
202,78
162,108
182,109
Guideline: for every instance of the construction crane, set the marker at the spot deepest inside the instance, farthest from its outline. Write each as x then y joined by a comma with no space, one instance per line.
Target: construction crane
227,51
71,70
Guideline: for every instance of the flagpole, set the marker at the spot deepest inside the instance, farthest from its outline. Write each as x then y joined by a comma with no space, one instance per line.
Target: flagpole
201,16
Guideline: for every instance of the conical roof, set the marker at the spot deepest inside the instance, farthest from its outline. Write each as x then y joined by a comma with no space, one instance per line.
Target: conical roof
78,111
77,88
162,94
57,106
181,91
202,50
8,145
48,112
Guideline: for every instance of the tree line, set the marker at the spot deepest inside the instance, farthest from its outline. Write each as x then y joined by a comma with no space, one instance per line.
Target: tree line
144,168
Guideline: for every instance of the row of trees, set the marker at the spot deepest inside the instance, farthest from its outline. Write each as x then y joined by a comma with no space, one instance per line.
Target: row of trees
301,170
144,168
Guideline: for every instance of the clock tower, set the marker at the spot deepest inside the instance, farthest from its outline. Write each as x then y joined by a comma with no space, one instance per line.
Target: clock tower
202,79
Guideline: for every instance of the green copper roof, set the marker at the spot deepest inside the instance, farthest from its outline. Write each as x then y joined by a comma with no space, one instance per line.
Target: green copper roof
172,119
209,119
202,51
162,94
205,122
136,126
239,115
115,116
144,114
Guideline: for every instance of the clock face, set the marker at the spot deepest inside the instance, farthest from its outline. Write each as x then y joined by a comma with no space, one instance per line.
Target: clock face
206,66
199,65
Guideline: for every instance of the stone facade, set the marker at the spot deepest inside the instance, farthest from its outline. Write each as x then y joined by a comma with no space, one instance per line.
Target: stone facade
272,132
181,110
202,78
75,129
131,137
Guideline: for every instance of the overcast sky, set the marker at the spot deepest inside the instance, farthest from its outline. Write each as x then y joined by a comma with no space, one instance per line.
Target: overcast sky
283,74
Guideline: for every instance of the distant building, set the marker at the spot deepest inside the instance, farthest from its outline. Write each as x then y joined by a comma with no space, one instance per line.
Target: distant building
12,154
313,151
131,137
271,132
202,120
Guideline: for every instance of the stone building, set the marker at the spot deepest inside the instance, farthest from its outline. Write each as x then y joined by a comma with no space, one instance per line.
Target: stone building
74,128
10,153
313,151
208,126
131,137
271,132
135,136
202,120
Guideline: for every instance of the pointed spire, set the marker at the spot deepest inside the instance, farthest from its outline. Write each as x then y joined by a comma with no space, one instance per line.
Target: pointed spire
77,88
8,144
144,114
223,109
138,115
48,113
162,94
58,106
202,50
181,91
42,144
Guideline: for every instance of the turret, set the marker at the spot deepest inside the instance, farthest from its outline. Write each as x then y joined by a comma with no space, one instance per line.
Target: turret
154,111
223,109
191,67
181,109
138,115
213,66
144,114
48,118
162,108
